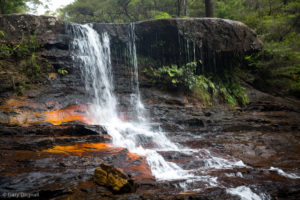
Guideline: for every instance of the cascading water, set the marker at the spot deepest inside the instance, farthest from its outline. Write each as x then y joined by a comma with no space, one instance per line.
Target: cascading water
95,66
92,52
135,102
167,170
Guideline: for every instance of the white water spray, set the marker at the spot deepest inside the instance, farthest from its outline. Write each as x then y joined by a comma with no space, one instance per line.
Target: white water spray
246,193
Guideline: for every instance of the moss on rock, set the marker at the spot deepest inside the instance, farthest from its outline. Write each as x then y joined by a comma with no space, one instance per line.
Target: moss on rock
114,178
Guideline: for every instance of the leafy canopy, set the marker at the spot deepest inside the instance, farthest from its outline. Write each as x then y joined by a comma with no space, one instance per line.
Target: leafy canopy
16,6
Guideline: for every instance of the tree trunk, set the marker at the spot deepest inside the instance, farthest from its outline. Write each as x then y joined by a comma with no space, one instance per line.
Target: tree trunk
178,8
2,4
257,5
209,8
270,7
185,7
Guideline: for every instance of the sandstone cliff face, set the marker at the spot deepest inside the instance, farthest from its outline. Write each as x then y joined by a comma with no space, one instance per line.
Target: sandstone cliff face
168,41
16,25
216,42
49,32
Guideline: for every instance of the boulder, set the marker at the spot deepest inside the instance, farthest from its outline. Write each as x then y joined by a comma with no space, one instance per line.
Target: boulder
114,178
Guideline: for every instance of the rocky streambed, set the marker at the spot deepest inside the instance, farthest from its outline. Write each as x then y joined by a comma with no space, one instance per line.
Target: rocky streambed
59,161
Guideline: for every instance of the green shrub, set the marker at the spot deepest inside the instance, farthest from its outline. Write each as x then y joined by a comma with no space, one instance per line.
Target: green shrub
160,15
26,62
62,71
204,87
21,48
5,50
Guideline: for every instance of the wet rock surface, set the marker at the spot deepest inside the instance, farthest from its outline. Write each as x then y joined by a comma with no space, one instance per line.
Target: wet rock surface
59,161
49,148
50,165
257,134
264,135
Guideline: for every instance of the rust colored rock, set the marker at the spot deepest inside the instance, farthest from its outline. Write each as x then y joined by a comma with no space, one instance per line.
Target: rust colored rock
114,178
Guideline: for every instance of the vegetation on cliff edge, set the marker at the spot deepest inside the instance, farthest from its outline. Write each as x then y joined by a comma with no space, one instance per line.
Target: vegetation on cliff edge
208,89
21,64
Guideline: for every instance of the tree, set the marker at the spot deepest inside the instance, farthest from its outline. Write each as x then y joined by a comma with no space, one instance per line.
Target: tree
16,6
209,8
8,6
179,2
119,11
185,7
181,8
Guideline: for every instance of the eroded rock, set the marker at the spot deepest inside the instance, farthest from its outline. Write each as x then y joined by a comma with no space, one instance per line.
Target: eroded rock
114,178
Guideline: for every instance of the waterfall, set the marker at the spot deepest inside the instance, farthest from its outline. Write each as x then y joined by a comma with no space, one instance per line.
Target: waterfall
93,56
91,52
135,102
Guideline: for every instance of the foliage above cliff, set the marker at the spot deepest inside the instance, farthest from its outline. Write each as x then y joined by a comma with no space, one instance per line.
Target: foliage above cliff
16,6
277,68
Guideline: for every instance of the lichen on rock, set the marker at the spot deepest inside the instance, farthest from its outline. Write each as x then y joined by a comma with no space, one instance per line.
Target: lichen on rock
114,178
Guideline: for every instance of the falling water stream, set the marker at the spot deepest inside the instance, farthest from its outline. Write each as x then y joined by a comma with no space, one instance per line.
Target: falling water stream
92,52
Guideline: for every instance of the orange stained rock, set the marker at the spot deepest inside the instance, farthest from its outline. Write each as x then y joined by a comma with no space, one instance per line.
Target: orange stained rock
79,149
132,156
55,117
24,115
142,167
71,113
18,102
23,118
11,103
105,136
